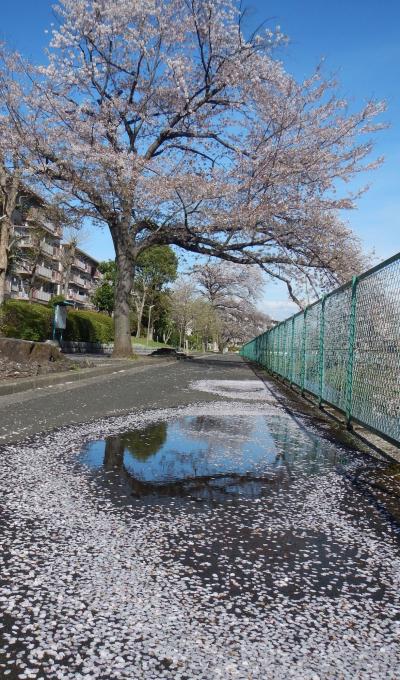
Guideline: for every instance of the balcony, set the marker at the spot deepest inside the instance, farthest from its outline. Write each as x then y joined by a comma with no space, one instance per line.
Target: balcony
49,249
41,295
80,281
56,276
51,227
36,220
44,272
83,266
19,295
25,242
23,267
82,299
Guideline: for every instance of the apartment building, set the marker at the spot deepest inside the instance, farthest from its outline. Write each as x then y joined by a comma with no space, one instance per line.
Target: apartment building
44,266
80,275
36,270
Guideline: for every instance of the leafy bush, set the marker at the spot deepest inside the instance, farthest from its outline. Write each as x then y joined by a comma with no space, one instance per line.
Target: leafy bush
85,326
31,321
25,320
55,300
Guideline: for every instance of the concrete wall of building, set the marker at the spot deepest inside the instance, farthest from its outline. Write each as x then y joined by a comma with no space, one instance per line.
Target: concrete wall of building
50,276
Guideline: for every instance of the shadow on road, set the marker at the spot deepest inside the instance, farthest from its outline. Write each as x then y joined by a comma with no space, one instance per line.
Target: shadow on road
214,361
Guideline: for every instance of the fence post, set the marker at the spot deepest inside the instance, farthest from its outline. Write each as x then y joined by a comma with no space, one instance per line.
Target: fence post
292,353
321,357
350,357
273,362
270,342
284,351
265,344
278,346
303,351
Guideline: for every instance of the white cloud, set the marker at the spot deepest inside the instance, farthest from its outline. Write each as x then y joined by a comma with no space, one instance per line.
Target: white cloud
279,309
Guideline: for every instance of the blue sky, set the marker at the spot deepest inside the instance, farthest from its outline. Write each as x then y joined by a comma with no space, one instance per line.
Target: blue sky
359,40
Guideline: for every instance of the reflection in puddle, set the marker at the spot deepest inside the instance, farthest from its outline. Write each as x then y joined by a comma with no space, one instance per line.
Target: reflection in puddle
121,565
209,457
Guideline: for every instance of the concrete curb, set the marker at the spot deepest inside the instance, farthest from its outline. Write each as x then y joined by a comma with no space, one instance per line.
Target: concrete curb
24,384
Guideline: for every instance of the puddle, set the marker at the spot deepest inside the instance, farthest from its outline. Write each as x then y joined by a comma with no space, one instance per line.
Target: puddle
209,457
186,543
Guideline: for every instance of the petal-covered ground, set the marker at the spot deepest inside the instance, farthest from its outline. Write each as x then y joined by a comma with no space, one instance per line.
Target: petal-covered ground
246,566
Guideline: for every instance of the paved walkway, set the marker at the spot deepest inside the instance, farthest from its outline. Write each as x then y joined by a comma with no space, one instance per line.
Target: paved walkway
162,385
262,549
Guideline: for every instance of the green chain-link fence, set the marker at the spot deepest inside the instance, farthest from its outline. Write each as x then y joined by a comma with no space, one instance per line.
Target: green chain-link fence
345,349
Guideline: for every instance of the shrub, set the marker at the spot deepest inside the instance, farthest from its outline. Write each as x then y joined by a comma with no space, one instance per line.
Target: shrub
26,320
86,326
32,321
55,300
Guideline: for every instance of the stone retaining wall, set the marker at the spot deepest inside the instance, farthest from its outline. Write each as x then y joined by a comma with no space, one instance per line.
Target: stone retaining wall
27,350
72,347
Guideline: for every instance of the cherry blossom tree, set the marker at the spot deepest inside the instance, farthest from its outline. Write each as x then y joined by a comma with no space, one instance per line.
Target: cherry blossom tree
233,290
222,282
167,122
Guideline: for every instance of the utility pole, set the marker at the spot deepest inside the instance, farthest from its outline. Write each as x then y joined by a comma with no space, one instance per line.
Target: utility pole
148,323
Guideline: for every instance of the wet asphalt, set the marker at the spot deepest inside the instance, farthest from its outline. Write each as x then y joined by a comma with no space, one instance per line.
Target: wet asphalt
267,550
142,387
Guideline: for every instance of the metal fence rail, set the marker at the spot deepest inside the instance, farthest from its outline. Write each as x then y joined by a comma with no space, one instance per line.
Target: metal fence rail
345,349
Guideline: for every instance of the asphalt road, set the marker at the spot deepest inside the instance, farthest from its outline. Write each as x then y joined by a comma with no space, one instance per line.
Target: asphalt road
212,529
142,387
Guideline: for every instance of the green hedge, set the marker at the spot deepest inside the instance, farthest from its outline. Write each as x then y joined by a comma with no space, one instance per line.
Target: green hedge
32,321
88,326
25,320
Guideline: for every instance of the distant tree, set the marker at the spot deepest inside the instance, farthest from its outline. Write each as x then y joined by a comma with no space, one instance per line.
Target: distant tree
155,268
103,296
205,323
183,299
170,124
232,292
240,323
164,324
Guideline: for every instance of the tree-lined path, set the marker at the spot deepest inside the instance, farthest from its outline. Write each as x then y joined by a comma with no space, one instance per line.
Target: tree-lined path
208,529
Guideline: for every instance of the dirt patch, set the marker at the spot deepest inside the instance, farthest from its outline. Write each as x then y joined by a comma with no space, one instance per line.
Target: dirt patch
24,358
25,369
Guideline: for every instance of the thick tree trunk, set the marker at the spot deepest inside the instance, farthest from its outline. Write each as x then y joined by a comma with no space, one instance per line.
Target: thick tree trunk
9,185
114,453
4,243
123,289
